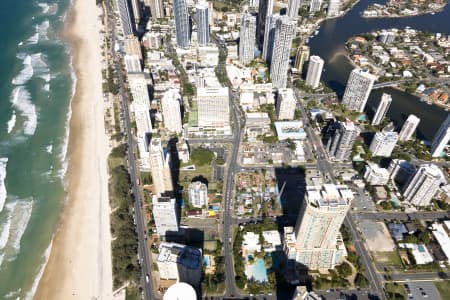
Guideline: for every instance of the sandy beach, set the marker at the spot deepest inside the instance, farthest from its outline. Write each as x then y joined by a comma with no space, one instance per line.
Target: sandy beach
79,266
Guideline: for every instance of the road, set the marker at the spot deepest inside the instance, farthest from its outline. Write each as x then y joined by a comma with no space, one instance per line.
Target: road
424,276
139,216
401,216
326,168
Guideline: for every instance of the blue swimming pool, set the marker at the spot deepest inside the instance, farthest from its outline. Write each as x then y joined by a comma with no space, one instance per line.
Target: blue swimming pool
257,271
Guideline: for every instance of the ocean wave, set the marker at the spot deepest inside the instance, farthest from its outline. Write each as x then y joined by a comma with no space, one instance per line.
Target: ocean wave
49,149
13,294
12,122
21,100
46,87
26,73
38,277
34,64
19,214
48,9
42,30
44,6
3,193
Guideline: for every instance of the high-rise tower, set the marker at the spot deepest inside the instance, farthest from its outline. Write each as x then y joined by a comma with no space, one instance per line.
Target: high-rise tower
358,89
182,27
202,24
382,109
314,71
247,38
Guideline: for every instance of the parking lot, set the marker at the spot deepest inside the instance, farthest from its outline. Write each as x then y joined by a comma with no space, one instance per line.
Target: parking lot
421,291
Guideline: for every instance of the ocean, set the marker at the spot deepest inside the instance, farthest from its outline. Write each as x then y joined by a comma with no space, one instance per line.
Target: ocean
36,86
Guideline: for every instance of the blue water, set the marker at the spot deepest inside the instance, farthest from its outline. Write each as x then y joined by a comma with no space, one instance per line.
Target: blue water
258,271
35,92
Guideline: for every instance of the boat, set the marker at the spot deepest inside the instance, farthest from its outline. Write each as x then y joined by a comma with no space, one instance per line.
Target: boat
316,32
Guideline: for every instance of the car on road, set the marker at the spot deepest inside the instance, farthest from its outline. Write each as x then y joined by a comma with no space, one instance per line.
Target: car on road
147,278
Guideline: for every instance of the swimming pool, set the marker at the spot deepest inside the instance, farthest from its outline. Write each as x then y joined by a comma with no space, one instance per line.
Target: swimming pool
257,271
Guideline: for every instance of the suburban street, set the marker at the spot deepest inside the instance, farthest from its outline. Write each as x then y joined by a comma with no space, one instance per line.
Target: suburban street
143,252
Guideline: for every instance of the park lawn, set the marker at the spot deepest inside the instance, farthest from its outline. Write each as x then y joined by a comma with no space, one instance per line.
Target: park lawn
444,289
186,176
390,258
394,288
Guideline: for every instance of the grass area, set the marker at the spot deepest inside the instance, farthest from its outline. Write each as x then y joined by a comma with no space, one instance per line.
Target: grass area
390,258
187,176
444,289
394,291
131,294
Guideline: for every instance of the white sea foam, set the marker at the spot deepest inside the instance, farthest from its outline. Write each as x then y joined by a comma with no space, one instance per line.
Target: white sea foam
21,100
26,73
6,230
48,9
32,40
42,30
21,217
49,149
14,294
38,277
45,7
12,122
46,87
3,194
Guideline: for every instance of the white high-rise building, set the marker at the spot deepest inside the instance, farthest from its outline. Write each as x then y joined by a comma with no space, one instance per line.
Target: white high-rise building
181,23
165,215
314,5
322,213
160,168
341,144
286,104
156,9
213,107
269,37
125,17
441,138
136,8
198,194
334,7
202,24
375,175
383,143
314,71
132,63
358,89
424,184
292,9
170,104
409,128
247,38
284,33
382,109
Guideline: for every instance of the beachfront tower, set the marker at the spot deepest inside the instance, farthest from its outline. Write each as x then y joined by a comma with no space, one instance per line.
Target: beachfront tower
293,7
424,184
156,9
160,168
136,7
181,23
125,17
441,138
334,6
247,38
314,6
284,33
409,128
314,71
269,37
202,24
358,89
165,215
265,9
321,215
382,109
170,104
341,143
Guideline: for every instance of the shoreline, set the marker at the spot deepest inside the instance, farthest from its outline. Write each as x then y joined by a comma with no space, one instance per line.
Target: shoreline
79,265
397,16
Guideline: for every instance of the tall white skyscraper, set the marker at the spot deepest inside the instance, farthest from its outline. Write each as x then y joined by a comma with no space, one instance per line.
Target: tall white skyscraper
202,24
265,9
170,104
198,194
247,38
269,37
136,7
213,107
314,5
409,128
341,144
160,168
156,8
125,17
286,104
292,9
165,215
382,109
314,71
383,143
322,213
334,6
441,138
424,184
284,33
358,89
182,28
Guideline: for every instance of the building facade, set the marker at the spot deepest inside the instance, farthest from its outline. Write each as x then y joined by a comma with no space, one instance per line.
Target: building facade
269,38
247,38
423,185
265,8
170,104
358,89
314,5
382,109
375,175
441,138
286,104
160,168
334,7
301,57
341,144
213,107
284,33
314,71
165,215
198,194
409,128
182,27
383,143
156,9
202,24
292,9
125,17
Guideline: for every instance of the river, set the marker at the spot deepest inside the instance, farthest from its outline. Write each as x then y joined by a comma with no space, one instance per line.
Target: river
330,45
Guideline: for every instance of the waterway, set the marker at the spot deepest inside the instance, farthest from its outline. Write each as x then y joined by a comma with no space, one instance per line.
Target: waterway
330,45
